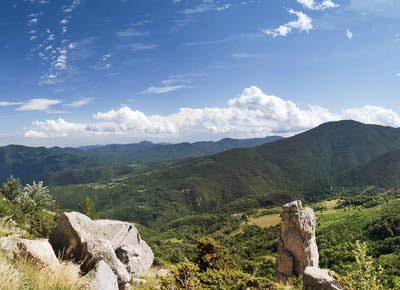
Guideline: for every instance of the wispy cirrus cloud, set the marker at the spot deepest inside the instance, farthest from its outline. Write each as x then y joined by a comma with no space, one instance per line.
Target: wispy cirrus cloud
171,84
138,46
246,55
241,36
80,103
9,104
314,5
39,104
51,43
164,89
36,104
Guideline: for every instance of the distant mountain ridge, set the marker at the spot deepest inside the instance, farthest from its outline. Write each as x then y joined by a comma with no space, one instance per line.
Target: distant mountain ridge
146,151
302,166
33,163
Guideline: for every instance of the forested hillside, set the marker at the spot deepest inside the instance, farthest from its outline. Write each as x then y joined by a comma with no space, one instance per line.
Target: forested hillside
383,171
151,152
99,163
239,179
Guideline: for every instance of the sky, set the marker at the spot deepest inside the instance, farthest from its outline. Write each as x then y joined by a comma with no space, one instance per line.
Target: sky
80,72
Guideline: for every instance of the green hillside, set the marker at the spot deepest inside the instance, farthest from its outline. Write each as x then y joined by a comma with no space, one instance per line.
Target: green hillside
382,171
342,221
150,152
100,163
239,179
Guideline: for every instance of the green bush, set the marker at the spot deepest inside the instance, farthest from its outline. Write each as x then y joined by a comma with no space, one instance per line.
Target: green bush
28,206
365,274
212,255
184,276
88,208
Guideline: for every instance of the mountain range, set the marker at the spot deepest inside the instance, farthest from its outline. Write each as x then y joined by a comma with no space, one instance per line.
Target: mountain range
304,166
92,163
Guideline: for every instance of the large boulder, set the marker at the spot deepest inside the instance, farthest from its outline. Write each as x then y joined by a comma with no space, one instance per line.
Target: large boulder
297,247
102,277
88,241
38,251
319,279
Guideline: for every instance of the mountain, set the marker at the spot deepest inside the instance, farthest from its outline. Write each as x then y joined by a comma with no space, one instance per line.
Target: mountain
287,167
93,163
382,171
150,152
297,167
30,163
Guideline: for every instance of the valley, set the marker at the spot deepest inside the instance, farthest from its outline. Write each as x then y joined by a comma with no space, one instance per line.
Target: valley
235,197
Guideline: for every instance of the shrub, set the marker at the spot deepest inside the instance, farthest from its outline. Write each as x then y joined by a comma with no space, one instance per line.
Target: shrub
11,188
231,279
34,197
184,276
365,274
212,255
88,208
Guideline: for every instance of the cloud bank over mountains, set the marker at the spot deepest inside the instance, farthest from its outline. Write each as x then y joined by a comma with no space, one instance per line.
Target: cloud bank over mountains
251,114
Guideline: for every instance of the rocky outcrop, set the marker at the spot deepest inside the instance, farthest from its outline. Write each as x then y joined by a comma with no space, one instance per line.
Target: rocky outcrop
102,277
38,251
88,242
297,248
319,279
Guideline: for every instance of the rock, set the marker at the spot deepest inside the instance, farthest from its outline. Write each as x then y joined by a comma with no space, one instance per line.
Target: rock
319,279
126,286
102,277
39,251
162,272
139,282
137,260
297,247
86,241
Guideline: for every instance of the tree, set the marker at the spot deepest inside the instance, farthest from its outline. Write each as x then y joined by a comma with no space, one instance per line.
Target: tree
88,208
11,188
34,197
212,255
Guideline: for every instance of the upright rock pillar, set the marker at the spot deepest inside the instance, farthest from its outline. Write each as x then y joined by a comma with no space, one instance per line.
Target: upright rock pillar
297,248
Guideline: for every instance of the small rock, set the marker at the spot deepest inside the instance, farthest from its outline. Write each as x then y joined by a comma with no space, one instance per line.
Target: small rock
162,273
102,278
319,279
39,251
139,282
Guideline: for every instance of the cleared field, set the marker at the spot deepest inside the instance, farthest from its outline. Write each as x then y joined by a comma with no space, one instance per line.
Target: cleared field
266,220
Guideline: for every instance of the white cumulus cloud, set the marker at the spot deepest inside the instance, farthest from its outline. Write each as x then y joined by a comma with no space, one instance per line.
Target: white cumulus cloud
55,128
251,114
373,115
302,23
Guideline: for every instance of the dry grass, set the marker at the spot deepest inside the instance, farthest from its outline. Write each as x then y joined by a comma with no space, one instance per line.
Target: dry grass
266,220
9,228
10,278
22,274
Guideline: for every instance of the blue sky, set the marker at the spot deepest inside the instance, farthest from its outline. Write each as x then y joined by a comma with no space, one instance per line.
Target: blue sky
118,71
